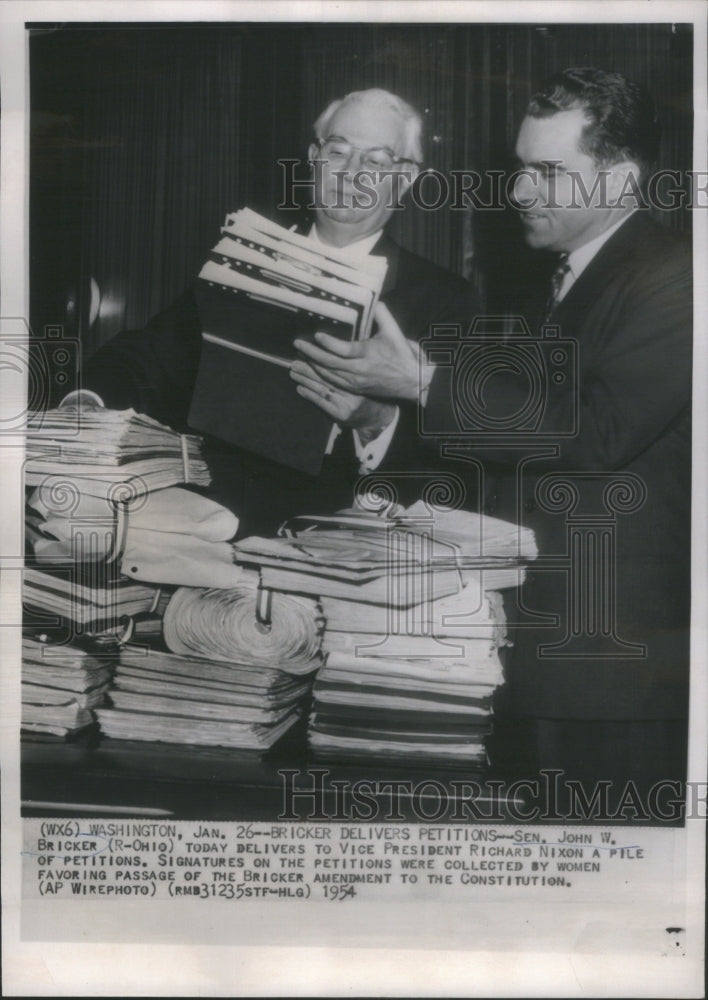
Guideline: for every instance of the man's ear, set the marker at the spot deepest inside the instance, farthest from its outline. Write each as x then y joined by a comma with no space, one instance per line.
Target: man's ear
623,187
313,151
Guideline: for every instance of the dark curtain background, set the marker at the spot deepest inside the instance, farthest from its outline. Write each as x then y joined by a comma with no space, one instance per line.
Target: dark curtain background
144,136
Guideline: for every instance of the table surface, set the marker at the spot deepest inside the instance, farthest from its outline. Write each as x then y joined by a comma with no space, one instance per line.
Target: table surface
130,778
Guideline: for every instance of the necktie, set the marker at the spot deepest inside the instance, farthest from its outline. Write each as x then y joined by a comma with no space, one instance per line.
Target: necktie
557,279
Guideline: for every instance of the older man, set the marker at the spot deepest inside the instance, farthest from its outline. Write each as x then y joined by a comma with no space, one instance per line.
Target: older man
598,676
371,137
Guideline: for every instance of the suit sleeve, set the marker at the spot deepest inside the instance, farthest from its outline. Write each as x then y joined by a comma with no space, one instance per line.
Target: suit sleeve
634,381
153,369
450,302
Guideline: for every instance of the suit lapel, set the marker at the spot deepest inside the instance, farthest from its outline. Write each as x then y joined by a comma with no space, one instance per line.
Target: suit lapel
608,265
385,247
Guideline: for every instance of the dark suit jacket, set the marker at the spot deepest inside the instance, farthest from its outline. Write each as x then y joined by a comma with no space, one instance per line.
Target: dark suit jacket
630,314
153,370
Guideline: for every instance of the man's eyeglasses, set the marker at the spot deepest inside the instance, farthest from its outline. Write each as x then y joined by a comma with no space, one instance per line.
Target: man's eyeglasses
339,151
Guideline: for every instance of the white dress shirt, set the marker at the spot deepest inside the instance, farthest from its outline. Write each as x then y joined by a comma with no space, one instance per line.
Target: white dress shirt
579,259
372,454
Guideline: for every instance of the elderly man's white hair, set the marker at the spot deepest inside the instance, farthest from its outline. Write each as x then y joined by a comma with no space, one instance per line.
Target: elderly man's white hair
375,97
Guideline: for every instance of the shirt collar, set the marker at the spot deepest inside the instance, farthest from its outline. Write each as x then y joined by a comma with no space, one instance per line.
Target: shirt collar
355,251
579,259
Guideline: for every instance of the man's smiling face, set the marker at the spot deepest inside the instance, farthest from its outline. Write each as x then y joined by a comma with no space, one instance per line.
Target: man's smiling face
344,214
554,212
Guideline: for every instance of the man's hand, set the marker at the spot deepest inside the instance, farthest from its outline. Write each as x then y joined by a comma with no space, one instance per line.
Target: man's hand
385,366
369,416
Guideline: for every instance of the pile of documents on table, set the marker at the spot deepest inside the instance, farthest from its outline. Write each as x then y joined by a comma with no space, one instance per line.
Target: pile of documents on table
103,487
120,551
413,626
117,454
92,597
414,693
82,612
263,287
62,685
238,675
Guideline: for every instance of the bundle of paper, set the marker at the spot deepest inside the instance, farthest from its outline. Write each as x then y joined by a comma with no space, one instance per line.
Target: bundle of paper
471,613
379,567
262,287
108,453
402,746
256,249
476,665
480,547
58,720
408,560
434,705
61,686
165,697
417,682
247,625
121,725
477,535
99,599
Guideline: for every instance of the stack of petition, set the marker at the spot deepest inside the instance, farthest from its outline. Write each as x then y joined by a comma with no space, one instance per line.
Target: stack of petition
262,287
238,674
96,475
61,687
107,560
93,598
413,626
116,454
